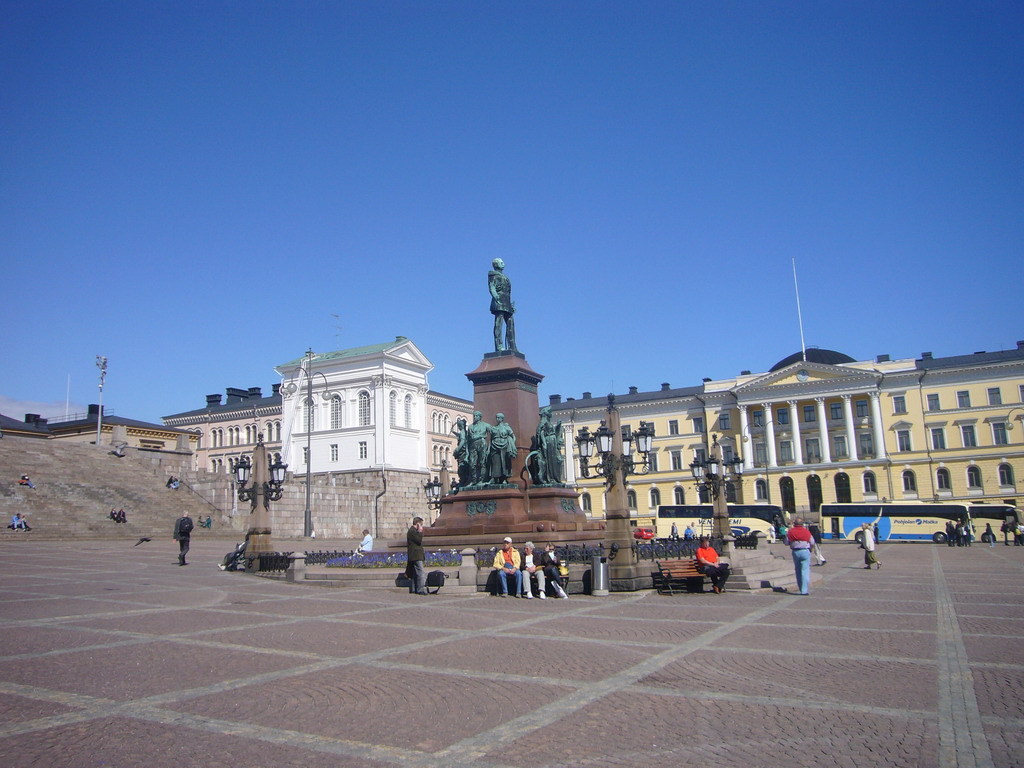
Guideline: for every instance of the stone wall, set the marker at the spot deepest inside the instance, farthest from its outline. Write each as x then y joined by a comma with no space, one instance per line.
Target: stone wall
342,503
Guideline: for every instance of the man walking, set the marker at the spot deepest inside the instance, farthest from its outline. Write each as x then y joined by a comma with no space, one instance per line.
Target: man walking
800,542
414,546
182,535
869,548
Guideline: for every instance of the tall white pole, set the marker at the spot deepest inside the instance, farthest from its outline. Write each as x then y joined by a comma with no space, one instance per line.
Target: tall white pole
799,315
101,363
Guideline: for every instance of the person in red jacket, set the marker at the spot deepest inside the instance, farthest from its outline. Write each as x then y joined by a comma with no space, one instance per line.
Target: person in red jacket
800,543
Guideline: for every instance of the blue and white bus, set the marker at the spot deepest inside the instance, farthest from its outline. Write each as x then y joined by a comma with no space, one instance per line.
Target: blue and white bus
913,521
743,518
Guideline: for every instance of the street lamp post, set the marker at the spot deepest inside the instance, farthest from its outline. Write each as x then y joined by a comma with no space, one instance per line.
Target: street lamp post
615,446
265,487
713,474
307,523
101,363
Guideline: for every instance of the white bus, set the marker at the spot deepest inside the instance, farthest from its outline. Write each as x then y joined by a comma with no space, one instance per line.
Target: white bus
744,519
912,521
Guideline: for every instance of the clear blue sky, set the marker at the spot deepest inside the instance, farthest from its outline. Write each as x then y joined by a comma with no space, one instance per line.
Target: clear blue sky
195,189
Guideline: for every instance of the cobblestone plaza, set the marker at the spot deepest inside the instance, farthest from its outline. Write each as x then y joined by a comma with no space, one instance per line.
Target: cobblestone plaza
112,655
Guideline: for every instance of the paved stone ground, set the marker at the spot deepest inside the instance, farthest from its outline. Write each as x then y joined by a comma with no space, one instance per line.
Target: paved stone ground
112,655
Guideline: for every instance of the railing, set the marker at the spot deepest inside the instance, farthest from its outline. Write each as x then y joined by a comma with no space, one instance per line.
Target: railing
570,553
746,542
668,549
271,562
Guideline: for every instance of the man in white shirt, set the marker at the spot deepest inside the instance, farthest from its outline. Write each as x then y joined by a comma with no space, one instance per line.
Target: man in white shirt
366,545
532,566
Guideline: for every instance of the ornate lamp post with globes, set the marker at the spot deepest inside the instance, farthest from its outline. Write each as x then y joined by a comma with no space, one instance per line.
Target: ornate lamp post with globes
265,488
713,474
615,446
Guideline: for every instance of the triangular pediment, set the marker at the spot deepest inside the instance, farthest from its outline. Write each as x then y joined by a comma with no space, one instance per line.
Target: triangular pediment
408,352
807,376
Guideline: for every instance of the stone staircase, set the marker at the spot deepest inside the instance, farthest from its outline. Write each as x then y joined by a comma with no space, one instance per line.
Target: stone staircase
77,484
763,569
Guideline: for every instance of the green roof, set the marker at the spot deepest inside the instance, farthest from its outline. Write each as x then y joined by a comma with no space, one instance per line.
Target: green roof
354,352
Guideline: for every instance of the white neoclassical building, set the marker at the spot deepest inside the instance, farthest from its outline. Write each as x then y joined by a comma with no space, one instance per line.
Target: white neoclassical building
357,408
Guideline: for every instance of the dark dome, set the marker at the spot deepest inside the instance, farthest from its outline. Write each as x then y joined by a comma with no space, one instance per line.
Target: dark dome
814,355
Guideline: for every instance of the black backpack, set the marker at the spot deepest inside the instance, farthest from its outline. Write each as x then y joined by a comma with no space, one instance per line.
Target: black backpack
185,526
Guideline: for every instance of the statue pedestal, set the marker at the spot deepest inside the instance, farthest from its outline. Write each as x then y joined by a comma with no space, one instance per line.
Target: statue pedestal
505,383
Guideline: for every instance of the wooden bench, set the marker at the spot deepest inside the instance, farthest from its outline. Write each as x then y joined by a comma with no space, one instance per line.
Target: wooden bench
675,576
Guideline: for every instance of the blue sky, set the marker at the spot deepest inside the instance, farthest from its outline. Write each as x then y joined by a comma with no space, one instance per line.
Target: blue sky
196,189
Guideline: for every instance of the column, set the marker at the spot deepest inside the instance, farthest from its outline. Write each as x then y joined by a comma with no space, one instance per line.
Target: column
769,434
851,433
876,425
748,454
570,460
794,419
826,453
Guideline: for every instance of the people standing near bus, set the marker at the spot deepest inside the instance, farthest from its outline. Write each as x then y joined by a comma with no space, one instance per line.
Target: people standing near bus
1018,535
868,542
815,530
800,542
989,535
950,533
1006,528
675,532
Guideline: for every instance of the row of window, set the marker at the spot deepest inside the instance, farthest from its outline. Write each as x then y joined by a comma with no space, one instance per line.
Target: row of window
963,399
362,451
222,437
968,437
944,482
396,407
228,465
440,422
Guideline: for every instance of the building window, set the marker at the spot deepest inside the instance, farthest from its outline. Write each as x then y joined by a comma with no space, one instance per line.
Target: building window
933,403
963,399
938,439
727,453
970,440
758,418
903,440
655,498
899,404
652,461
942,479
364,409
336,412
393,409
730,492
305,455
870,486
699,454
677,460
334,452
698,425
408,411
995,397
1005,474
760,456
678,495
909,481
631,499
835,411
761,490
673,427
810,414
724,421
973,477
362,449
839,447
586,502
867,445
999,436
813,450
862,409
310,415
782,416
785,450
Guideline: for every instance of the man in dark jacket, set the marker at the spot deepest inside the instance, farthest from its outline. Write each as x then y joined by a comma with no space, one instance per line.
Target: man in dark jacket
414,544
182,535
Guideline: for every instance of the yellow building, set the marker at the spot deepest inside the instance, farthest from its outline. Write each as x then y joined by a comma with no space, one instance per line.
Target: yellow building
822,427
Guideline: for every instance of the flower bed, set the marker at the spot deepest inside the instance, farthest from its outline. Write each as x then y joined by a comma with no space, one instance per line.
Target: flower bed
450,559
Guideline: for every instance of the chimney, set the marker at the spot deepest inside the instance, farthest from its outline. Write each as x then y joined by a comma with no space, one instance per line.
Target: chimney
706,379
31,418
1020,344
665,387
554,399
212,400
744,373
926,355
882,359
94,410
275,390
255,393
980,353
632,390
236,395
586,395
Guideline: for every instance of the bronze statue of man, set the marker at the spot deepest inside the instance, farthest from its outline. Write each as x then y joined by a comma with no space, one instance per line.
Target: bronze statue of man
549,443
476,443
502,307
503,450
461,452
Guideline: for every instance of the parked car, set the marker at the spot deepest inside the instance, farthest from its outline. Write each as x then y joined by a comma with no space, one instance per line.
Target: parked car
644,533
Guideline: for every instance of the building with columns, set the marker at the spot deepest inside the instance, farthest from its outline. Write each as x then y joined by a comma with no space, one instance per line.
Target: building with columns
820,426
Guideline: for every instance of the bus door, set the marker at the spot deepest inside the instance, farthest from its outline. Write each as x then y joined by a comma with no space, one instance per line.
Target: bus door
836,533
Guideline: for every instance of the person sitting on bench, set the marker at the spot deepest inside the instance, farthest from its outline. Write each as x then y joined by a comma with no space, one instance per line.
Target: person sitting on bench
549,560
532,566
707,563
506,563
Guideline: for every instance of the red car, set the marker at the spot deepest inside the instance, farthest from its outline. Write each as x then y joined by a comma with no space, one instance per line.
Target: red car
644,533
